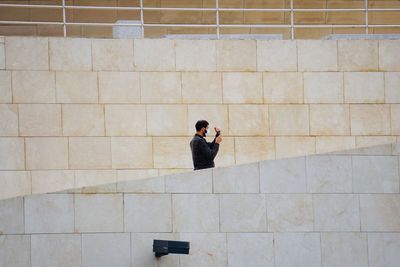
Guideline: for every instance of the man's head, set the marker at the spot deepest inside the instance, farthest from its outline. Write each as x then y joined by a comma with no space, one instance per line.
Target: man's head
201,127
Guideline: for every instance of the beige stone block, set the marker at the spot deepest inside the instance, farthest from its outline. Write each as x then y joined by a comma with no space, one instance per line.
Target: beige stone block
12,153
289,119
15,250
39,119
119,87
294,146
236,55
317,55
46,153
392,87
242,87
27,53
374,141
237,179
371,119
167,120
275,55
326,144
5,87
95,181
163,172
395,118
70,54
15,183
252,149
140,181
125,120
240,124
329,119
34,87
52,181
364,87
358,55
172,152
200,181
89,153
12,216
83,120
202,87
196,55
76,87
2,56
226,152
160,87
216,115
131,152
154,55
283,87
112,54
383,249
389,55
323,87
8,120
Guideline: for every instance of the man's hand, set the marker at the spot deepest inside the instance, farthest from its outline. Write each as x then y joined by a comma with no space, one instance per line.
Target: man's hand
217,129
218,139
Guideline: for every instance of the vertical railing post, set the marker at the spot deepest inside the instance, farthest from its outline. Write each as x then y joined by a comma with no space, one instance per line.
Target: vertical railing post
291,20
366,17
217,16
141,18
64,19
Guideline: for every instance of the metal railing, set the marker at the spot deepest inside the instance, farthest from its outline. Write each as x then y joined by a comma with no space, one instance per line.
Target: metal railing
217,9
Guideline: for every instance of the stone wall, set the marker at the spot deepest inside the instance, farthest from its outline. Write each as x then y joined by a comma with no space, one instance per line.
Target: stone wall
75,112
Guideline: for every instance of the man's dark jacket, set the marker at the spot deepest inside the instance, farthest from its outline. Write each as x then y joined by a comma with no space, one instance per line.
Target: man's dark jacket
203,152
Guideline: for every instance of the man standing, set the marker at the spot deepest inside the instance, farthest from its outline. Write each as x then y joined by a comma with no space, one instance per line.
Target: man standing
203,152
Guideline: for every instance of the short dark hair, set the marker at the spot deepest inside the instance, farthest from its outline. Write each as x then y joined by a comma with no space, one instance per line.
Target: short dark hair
201,124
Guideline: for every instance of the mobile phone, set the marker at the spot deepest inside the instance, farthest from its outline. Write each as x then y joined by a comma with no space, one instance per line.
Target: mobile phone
218,133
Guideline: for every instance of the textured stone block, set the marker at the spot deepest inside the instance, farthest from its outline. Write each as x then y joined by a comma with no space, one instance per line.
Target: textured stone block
99,213
242,87
39,119
83,120
239,124
226,153
216,115
364,87
95,181
329,174
140,181
389,55
290,213
243,213
166,120
8,120
195,213
172,152
392,85
336,212
14,183
375,174
329,119
27,53
76,87
294,146
276,55
237,179
53,213
370,119
250,249
316,55
236,55
52,181
15,250
283,87
11,216
252,149
119,87
395,118
323,87
71,54
289,119
34,87
5,87
107,249
297,249
56,250
131,152
192,182
325,144
154,55
12,153
202,87
374,145
335,249
160,87
147,213
2,56
358,55
383,249
125,120
195,55
89,153
46,153
112,54
380,212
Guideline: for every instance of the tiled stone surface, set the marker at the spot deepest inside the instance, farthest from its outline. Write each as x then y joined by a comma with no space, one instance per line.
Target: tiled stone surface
325,144
9,120
89,153
122,156
5,87
370,119
329,119
276,55
202,87
34,87
160,87
283,87
172,152
252,149
389,55
138,181
2,56
15,250
112,55
26,53
12,216
154,55
119,87
395,118
236,180
193,182
12,153
76,87
235,55
294,146
364,87
358,55
39,119
289,119
83,120
242,87
317,55
199,55
125,120
70,54
323,87
166,120
239,125
52,180
392,84
383,249
15,183
46,153
96,181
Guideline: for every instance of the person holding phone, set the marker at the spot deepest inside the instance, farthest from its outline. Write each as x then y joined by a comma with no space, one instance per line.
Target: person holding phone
203,152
